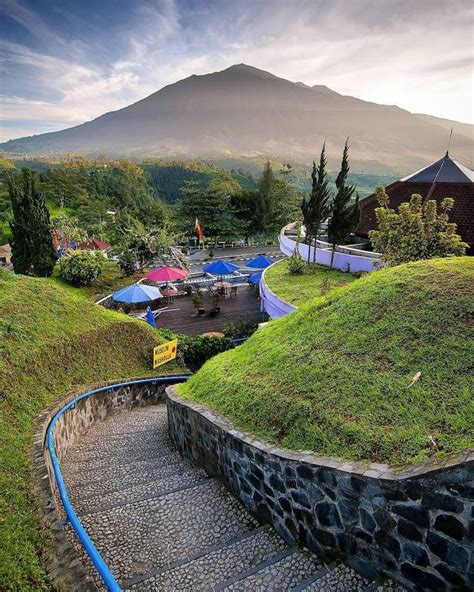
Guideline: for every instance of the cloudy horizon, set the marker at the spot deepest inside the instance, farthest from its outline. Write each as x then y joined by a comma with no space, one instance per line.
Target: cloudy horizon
63,63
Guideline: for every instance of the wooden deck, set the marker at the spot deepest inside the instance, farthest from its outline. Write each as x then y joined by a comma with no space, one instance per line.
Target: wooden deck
181,316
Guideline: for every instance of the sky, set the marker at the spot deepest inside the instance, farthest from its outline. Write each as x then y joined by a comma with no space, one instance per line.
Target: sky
63,62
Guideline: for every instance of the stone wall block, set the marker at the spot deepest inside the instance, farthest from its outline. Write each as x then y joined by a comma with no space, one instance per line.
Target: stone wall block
415,526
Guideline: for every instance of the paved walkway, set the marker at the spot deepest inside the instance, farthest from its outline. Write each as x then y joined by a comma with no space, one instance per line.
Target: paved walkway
163,525
181,316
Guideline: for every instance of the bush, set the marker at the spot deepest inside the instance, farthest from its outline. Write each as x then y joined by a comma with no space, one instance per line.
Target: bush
229,330
296,265
81,268
197,300
127,261
195,350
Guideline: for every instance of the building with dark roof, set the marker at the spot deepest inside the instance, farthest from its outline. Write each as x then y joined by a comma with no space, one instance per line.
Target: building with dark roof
94,244
444,178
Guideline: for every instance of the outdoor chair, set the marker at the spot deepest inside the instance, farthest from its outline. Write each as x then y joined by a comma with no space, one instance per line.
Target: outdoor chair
233,292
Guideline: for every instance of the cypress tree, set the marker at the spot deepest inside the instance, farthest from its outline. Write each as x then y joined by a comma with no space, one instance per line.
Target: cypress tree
317,208
345,212
32,241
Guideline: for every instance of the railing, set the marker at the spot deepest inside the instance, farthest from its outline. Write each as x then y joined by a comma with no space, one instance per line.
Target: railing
272,304
96,558
345,258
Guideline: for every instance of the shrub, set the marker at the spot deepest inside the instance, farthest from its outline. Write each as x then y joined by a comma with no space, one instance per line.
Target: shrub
195,350
229,330
197,299
296,265
417,231
81,268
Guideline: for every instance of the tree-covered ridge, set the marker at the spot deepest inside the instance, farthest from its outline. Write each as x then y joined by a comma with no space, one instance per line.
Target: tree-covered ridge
102,197
168,177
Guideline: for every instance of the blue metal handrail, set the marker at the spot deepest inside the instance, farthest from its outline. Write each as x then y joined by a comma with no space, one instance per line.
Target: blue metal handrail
81,533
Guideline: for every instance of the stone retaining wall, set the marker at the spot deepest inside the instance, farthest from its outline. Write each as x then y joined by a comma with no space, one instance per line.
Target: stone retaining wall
64,567
417,526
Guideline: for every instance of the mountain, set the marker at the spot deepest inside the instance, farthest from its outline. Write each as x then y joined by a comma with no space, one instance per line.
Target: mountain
244,110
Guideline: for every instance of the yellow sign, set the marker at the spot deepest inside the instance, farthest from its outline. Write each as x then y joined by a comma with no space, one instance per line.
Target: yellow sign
164,353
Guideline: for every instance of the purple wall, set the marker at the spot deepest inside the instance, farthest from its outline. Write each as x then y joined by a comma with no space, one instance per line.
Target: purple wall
275,307
344,261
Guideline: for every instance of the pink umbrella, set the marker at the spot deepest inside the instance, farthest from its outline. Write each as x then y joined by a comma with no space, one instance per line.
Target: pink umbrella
166,274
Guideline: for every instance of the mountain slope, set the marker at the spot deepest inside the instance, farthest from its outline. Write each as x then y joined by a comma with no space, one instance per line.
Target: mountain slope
243,109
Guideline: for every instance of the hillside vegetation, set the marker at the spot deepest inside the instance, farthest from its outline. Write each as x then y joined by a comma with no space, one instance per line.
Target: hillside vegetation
337,375
50,340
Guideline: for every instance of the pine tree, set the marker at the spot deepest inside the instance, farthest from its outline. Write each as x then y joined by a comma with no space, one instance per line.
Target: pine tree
32,241
345,212
317,208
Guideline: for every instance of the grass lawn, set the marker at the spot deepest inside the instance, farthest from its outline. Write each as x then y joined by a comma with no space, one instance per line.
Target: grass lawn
50,340
298,289
335,376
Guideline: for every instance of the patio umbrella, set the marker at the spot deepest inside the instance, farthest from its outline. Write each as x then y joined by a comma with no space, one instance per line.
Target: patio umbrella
259,262
220,267
136,293
165,273
150,317
255,277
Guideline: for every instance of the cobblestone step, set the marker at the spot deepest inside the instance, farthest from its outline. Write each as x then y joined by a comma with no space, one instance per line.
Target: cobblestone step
228,560
139,537
112,478
281,572
136,492
340,578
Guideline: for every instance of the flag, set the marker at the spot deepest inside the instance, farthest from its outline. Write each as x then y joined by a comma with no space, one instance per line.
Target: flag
198,228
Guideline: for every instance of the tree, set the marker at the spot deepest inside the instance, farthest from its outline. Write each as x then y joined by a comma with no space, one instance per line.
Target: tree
416,231
81,268
345,212
127,262
68,229
32,241
265,210
318,207
144,247
245,210
265,204
212,206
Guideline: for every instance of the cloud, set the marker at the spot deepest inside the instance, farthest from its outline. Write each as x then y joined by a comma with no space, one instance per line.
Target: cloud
391,51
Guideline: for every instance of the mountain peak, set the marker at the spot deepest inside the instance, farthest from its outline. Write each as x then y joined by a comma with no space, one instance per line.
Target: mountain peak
250,71
243,109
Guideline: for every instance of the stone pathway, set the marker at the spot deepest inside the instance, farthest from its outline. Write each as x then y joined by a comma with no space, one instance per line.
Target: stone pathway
162,525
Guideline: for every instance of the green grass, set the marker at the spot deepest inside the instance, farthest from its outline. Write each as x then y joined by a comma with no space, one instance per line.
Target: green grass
298,289
334,376
50,340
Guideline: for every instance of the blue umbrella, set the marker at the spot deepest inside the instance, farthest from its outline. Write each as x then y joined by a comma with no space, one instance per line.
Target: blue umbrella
259,262
150,317
136,293
255,277
220,267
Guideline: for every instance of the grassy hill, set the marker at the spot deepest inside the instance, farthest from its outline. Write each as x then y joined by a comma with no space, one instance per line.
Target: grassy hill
50,339
335,376
315,281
